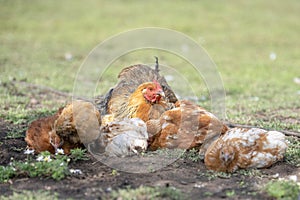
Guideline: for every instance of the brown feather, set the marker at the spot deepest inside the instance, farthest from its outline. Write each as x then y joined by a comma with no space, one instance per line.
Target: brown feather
37,134
186,126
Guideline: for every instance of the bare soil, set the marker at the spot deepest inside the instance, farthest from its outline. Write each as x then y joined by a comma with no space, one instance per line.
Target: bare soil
97,180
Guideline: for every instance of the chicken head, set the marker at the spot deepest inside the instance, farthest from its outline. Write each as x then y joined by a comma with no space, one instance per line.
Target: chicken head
153,92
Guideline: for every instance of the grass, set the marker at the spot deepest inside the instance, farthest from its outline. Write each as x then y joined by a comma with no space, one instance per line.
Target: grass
21,118
293,152
16,132
236,38
230,193
147,193
244,173
192,155
15,105
166,153
44,165
287,190
29,116
78,154
31,195
211,175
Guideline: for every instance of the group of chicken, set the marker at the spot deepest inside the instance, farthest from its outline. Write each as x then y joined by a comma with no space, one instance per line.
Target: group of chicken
143,113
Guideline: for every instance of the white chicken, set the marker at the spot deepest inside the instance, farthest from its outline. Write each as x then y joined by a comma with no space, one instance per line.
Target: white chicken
121,138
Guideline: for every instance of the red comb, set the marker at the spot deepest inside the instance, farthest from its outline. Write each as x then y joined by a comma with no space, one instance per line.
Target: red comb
157,84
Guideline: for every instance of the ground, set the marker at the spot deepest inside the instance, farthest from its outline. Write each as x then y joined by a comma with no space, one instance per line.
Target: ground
98,180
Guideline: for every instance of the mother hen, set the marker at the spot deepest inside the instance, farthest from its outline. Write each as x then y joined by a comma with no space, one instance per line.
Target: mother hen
141,92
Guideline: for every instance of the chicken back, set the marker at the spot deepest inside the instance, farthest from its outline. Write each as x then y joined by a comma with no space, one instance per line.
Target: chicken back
186,126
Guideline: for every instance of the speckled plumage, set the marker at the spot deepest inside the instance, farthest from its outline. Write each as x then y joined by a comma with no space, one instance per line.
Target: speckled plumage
245,148
121,138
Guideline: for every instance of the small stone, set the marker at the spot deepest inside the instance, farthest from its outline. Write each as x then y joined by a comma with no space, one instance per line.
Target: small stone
68,56
293,178
297,80
272,56
275,175
33,101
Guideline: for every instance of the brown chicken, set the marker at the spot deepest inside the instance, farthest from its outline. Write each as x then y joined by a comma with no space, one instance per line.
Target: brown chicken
38,134
76,124
245,148
140,103
141,92
186,126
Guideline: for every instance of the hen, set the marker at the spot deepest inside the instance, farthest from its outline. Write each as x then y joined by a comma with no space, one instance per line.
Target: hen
72,126
38,136
78,124
121,138
245,148
186,126
141,92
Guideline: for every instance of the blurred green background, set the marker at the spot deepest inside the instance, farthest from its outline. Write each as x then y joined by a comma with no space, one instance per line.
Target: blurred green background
255,45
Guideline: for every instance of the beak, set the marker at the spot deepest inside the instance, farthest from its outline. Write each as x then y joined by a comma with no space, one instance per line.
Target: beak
161,93
226,158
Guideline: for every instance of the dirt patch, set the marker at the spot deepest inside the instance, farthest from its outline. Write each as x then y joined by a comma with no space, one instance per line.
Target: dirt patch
10,147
